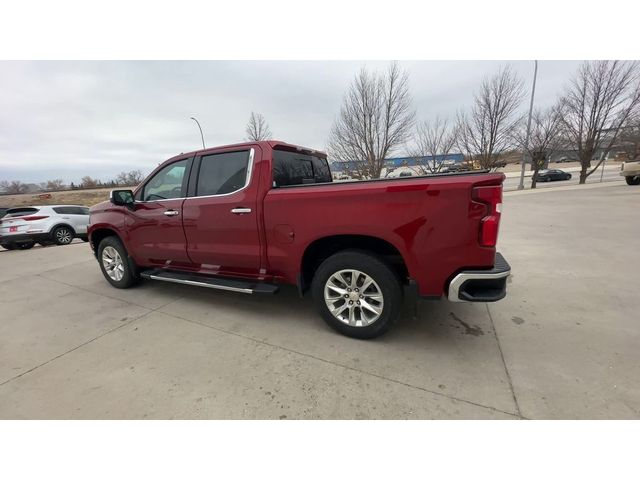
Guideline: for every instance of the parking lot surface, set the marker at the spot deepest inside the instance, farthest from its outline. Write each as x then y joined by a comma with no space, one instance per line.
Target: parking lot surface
563,344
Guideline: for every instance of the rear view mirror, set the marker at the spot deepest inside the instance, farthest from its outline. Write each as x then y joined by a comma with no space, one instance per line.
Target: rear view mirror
122,197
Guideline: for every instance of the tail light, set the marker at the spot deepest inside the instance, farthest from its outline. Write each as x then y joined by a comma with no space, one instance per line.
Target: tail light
34,217
491,197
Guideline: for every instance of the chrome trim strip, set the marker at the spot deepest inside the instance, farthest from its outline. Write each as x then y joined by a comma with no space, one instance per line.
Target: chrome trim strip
201,284
459,279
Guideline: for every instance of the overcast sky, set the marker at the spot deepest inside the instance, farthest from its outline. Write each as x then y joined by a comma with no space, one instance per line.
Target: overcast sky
70,119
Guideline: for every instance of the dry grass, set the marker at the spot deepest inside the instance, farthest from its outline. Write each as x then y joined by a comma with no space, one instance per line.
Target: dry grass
70,197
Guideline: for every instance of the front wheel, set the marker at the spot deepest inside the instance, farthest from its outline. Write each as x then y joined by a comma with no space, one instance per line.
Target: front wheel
357,294
633,180
116,266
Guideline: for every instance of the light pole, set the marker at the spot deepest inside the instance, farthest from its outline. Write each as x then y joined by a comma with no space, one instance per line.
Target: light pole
526,138
201,135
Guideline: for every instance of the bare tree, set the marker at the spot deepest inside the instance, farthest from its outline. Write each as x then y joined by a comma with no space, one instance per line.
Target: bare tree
56,184
14,186
88,182
487,130
376,118
433,142
122,178
257,128
545,139
134,177
599,101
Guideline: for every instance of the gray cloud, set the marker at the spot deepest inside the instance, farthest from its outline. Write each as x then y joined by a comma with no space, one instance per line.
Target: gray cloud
69,119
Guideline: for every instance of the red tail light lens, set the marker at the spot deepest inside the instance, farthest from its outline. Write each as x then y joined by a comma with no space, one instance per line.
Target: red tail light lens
491,197
34,217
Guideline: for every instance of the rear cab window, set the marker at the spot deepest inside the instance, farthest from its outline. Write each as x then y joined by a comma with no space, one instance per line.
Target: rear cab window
299,168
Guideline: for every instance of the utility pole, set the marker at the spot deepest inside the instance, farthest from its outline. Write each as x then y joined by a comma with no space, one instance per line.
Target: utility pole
526,140
201,135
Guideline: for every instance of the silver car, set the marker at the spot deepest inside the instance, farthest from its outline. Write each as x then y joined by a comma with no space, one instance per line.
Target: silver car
22,227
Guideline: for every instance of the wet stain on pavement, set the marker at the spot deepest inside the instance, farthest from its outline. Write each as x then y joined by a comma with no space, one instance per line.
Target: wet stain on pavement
469,330
517,320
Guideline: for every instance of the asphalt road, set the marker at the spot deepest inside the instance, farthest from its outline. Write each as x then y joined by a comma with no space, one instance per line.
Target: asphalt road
563,344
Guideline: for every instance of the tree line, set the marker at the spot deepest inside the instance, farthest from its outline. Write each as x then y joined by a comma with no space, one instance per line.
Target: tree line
123,179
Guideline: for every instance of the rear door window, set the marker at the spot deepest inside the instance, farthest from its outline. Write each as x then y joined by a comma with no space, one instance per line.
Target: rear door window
63,210
293,168
222,173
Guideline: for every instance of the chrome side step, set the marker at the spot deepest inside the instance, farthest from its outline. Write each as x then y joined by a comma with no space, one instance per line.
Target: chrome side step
209,282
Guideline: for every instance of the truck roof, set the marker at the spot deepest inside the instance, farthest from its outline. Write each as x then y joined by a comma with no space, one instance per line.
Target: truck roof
267,143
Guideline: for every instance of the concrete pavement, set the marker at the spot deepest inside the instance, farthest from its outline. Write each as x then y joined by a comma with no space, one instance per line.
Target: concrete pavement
563,344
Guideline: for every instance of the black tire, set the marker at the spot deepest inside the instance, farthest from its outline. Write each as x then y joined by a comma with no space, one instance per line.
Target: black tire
84,239
130,274
24,245
633,180
8,246
46,243
63,235
383,275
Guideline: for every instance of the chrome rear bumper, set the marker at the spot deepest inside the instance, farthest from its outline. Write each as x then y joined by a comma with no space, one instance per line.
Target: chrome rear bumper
481,285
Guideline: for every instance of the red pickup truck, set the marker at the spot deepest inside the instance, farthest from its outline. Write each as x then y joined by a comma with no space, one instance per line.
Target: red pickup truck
251,216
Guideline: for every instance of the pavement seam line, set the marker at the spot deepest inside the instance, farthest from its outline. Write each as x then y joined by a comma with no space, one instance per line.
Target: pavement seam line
336,364
504,363
129,322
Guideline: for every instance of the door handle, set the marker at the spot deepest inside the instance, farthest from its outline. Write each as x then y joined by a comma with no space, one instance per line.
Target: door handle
171,213
240,211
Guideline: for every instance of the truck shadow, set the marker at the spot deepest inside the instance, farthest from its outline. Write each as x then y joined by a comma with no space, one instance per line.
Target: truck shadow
265,316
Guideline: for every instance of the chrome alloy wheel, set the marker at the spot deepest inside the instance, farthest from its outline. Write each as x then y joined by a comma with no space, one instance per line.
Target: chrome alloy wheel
112,263
64,236
354,298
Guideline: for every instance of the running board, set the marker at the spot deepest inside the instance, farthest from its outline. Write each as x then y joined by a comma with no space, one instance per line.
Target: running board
209,282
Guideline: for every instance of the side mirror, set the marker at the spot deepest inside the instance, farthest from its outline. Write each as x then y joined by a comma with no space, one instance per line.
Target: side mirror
122,197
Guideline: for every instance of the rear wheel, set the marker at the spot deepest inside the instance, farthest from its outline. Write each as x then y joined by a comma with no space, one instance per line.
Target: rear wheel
63,235
8,246
116,265
357,294
633,180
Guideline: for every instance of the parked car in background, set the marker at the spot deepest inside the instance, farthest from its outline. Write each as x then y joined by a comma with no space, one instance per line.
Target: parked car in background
552,175
249,217
22,227
631,172
406,174
564,160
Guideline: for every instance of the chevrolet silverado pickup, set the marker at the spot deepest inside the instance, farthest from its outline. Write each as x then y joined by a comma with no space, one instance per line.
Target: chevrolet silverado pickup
250,217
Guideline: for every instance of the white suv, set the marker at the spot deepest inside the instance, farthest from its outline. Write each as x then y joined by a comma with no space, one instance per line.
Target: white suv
22,227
